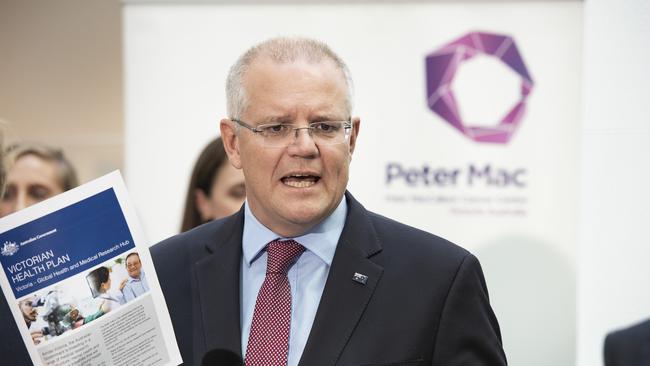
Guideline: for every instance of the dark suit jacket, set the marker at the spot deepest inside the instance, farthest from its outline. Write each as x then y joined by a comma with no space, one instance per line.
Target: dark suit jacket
425,301
629,347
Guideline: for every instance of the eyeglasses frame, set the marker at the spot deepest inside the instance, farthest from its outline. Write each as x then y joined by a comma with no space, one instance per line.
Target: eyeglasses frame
347,125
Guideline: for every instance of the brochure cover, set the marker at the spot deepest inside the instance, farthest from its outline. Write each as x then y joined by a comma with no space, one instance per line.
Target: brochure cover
80,283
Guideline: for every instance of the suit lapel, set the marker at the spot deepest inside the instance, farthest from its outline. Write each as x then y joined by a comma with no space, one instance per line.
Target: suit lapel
344,300
217,273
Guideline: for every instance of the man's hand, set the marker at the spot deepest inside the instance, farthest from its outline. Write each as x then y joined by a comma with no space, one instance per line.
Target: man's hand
123,283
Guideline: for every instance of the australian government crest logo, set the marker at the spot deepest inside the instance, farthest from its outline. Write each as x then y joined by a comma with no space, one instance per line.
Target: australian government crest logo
9,248
442,65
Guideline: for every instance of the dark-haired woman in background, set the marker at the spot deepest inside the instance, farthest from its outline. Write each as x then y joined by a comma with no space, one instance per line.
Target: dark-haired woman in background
216,188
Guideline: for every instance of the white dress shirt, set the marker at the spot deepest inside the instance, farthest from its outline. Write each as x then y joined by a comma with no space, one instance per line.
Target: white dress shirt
307,276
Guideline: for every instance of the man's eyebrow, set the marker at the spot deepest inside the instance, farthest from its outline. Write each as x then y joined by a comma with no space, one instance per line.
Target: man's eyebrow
325,117
278,119
321,117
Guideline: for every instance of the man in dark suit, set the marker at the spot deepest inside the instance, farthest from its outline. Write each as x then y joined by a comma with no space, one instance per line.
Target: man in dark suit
629,346
303,273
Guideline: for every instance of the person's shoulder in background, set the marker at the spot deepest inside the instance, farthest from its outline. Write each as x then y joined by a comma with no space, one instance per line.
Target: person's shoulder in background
629,346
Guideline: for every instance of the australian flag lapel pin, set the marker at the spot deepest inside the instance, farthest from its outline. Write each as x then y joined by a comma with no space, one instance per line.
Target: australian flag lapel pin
360,278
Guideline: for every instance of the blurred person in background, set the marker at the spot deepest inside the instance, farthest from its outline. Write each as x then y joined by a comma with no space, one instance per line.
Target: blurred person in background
216,188
2,158
629,346
34,173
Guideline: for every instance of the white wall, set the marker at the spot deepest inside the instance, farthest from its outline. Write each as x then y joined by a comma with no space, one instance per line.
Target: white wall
61,79
614,270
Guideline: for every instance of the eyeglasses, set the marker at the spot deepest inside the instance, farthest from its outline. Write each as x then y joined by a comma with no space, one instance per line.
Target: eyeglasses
284,134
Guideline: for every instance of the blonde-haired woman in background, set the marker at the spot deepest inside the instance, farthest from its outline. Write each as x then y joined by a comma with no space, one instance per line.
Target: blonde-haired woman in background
34,172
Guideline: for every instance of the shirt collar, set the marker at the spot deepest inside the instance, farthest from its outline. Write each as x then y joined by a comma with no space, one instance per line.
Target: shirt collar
131,279
321,239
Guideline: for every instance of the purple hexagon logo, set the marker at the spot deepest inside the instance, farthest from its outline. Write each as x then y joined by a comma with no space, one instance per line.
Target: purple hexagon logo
442,65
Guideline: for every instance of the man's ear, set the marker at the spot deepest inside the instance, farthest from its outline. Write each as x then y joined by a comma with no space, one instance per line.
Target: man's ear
356,124
230,142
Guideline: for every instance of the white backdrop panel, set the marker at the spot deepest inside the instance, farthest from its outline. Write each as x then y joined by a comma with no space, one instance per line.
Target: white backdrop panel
615,235
176,60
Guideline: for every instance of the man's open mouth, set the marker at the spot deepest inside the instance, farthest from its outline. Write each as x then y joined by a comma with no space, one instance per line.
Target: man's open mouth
300,180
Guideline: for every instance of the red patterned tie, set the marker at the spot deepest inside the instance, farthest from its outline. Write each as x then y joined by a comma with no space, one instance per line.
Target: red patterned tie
268,342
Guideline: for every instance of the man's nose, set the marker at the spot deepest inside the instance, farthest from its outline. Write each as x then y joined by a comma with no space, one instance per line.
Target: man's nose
303,143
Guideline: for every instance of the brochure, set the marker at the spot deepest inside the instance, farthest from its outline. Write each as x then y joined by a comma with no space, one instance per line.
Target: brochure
80,282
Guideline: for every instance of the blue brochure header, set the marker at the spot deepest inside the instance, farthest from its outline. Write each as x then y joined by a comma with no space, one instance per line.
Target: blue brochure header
64,243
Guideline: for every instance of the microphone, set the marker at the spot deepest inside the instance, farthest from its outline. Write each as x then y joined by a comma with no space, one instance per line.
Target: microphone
221,357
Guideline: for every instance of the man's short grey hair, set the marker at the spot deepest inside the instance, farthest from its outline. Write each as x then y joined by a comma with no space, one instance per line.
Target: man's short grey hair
281,50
